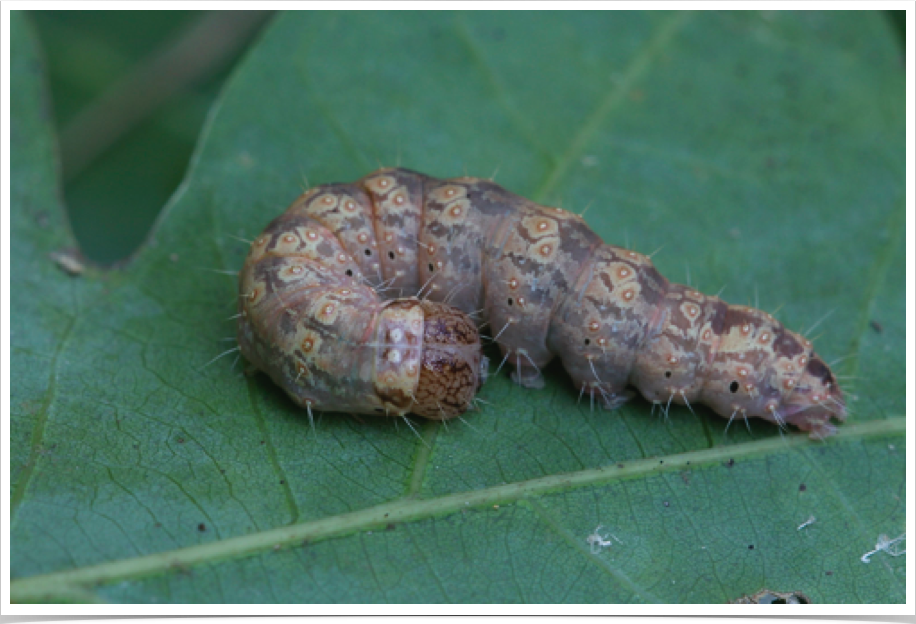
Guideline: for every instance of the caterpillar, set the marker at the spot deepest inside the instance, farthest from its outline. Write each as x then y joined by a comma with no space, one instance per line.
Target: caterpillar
323,311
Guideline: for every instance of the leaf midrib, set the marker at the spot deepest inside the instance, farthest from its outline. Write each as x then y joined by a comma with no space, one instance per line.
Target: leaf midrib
37,587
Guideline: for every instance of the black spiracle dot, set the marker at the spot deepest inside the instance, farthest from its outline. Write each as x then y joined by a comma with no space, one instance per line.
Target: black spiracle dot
668,374
733,387
431,267
349,272
510,300
368,252
588,341
391,255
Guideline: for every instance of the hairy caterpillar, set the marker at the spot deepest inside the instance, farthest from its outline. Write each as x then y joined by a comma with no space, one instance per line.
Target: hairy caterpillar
546,284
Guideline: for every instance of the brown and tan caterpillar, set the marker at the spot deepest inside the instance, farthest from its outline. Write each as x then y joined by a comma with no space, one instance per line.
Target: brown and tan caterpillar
546,284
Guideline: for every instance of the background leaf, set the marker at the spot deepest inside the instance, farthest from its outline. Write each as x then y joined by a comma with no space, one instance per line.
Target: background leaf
764,151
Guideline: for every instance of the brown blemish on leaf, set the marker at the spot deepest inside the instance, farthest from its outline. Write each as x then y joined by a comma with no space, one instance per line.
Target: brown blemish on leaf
766,596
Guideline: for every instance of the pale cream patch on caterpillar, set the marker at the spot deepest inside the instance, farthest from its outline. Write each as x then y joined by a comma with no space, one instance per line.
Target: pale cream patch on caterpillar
545,283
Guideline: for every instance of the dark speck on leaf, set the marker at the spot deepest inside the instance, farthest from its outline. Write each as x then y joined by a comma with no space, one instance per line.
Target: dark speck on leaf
201,527
390,527
751,547
666,503
875,325
282,482
802,487
180,440
730,463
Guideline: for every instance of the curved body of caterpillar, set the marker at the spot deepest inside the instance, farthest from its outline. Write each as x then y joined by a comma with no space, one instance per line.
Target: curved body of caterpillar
546,284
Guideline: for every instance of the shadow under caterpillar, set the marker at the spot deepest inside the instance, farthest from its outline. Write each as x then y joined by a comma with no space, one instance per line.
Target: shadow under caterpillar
545,283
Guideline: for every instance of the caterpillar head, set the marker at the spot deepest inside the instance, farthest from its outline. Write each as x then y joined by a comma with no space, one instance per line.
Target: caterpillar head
453,367
815,400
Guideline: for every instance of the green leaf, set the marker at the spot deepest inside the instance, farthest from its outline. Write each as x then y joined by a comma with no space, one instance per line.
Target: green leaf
765,152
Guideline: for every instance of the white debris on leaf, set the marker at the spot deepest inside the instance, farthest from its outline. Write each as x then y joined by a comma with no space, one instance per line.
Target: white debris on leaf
811,520
596,541
892,547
